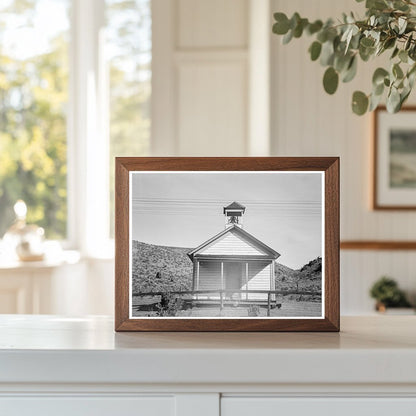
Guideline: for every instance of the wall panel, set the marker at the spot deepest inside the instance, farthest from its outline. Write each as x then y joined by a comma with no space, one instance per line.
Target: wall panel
212,107
308,122
212,24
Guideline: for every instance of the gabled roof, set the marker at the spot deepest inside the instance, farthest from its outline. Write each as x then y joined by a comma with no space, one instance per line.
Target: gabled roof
269,252
234,205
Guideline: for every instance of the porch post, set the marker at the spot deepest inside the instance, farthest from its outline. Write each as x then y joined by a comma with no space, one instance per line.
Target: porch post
194,276
272,285
247,280
222,286
197,276
222,275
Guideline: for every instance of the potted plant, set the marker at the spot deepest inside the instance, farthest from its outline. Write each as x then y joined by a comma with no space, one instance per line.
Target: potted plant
389,27
387,294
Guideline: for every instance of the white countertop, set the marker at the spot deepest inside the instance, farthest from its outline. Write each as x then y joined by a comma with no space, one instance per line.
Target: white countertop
49,349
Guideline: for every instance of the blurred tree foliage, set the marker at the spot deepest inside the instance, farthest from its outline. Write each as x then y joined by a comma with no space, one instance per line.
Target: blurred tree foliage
33,96
34,100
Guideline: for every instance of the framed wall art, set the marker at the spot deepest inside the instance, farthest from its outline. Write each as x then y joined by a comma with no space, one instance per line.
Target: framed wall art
227,244
394,159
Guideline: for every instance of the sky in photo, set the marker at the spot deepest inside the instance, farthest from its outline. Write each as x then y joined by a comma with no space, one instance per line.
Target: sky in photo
184,209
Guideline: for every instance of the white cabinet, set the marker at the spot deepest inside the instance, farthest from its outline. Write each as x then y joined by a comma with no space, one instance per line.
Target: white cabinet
80,366
272,406
88,406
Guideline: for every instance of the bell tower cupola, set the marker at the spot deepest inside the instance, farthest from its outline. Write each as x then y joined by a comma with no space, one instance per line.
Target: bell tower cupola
233,214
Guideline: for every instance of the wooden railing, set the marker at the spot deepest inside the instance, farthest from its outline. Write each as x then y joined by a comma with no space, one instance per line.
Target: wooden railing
223,292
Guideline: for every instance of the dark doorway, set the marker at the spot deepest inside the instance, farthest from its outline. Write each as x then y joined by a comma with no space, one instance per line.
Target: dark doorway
233,273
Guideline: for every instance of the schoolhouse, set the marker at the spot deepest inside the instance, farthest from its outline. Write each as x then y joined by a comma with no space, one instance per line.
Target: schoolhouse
234,260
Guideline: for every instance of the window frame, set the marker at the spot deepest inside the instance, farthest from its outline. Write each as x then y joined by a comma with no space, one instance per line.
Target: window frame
87,133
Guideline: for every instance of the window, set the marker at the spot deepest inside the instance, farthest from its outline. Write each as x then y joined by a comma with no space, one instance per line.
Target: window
75,87
33,97
129,43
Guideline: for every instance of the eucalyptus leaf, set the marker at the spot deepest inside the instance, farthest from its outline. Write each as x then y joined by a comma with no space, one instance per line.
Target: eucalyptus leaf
327,54
402,22
281,27
314,27
367,42
315,50
288,37
359,103
374,101
393,101
298,30
379,75
376,4
341,62
408,42
397,71
389,43
395,52
403,56
330,80
403,96
351,70
378,89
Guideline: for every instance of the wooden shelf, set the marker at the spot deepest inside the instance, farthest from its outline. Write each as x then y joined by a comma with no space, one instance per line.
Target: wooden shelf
378,245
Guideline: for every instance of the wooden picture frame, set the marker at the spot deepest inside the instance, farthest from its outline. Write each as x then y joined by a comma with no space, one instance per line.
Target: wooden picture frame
132,175
394,184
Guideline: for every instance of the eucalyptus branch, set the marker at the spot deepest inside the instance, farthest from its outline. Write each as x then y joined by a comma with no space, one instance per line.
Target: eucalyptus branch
388,25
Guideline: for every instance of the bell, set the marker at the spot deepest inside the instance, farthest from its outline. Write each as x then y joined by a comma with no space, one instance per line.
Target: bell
26,241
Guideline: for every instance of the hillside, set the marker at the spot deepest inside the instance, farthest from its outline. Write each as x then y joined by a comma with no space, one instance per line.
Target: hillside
160,268
163,268
309,277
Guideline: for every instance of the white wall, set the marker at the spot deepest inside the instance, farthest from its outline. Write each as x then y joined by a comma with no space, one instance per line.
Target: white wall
308,122
203,84
211,95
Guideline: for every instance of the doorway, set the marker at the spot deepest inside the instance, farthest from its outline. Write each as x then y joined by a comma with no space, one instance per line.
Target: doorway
233,273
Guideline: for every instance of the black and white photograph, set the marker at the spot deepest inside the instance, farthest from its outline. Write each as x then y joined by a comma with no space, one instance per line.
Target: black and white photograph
226,244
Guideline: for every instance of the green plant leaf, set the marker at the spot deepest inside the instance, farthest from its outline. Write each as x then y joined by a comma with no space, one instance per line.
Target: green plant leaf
281,27
395,52
351,70
408,42
397,71
389,43
315,50
288,37
327,53
376,4
403,56
378,89
393,101
367,42
314,27
359,103
379,75
341,61
330,80
298,30
374,101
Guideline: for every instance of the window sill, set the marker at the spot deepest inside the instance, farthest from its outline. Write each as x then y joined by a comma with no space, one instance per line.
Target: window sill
62,258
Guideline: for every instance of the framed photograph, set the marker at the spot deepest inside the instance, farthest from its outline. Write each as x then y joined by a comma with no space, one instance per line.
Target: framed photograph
394,183
227,244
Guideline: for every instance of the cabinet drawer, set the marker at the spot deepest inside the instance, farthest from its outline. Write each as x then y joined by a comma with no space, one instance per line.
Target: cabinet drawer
88,406
274,406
